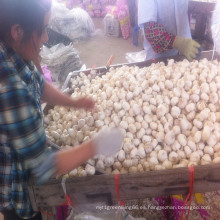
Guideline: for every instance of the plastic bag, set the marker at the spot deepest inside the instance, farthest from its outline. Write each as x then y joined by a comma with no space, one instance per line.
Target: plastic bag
75,23
47,74
111,26
136,56
216,27
60,60
120,214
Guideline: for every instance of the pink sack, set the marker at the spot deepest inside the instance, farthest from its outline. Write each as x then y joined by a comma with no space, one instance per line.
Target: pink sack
73,3
124,18
95,1
91,13
86,2
111,2
97,13
110,9
96,6
46,74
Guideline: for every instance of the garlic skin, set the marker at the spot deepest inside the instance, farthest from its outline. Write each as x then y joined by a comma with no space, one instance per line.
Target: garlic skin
170,138
81,123
167,164
100,164
195,157
121,155
132,169
216,160
127,163
90,170
116,172
162,156
206,133
208,150
206,159
173,157
109,161
73,173
117,165
175,111
133,153
182,139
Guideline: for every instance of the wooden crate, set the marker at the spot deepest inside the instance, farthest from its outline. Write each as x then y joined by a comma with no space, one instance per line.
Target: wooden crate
91,189
101,188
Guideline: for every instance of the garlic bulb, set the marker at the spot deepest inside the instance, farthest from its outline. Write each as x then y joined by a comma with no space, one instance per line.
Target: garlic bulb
90,170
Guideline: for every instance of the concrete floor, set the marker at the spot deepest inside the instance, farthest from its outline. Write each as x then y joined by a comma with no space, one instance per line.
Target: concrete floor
97,50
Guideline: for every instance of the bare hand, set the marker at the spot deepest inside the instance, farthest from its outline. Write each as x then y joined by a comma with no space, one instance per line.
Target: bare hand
86,103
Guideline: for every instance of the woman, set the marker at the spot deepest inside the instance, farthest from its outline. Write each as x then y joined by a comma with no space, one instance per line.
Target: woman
166,28
23,149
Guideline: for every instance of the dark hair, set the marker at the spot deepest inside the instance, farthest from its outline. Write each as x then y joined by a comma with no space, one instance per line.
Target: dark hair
29,14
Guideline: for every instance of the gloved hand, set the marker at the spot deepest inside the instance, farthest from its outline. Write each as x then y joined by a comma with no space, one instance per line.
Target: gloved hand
187,47
108,142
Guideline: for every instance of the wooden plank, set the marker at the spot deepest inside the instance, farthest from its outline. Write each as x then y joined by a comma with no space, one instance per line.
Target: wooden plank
132,186
201,7
32,198
200,26
48,213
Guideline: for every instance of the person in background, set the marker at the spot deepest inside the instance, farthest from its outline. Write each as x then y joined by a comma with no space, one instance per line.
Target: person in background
23,146
166,28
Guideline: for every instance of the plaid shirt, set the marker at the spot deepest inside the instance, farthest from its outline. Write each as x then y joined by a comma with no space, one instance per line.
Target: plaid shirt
23,149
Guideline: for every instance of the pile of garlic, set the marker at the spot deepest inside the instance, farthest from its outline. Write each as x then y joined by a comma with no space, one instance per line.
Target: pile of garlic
169,115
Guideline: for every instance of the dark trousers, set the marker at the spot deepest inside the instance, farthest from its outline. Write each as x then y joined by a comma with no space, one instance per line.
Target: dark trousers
11,215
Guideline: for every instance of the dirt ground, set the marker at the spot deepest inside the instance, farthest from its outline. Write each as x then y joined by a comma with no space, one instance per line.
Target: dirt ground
97,50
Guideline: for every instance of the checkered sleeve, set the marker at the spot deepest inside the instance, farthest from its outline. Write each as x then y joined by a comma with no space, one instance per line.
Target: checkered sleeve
158,37
22,123
40,80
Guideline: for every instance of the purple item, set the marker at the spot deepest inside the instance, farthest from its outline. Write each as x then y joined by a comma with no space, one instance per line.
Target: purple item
46,73
62,212
162,202
177,203
203,213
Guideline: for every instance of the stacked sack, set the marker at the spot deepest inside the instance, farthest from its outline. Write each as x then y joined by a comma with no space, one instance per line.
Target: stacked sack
124,17
73,4
95,8
99,8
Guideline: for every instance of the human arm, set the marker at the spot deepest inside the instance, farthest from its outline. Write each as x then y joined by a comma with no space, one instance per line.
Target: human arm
158,37
161,41
27,138
154,32
53,96
107,142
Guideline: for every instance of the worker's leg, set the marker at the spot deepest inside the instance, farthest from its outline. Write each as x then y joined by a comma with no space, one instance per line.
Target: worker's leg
11,214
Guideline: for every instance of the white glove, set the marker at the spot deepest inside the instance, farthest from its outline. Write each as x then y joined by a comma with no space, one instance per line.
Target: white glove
108,142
